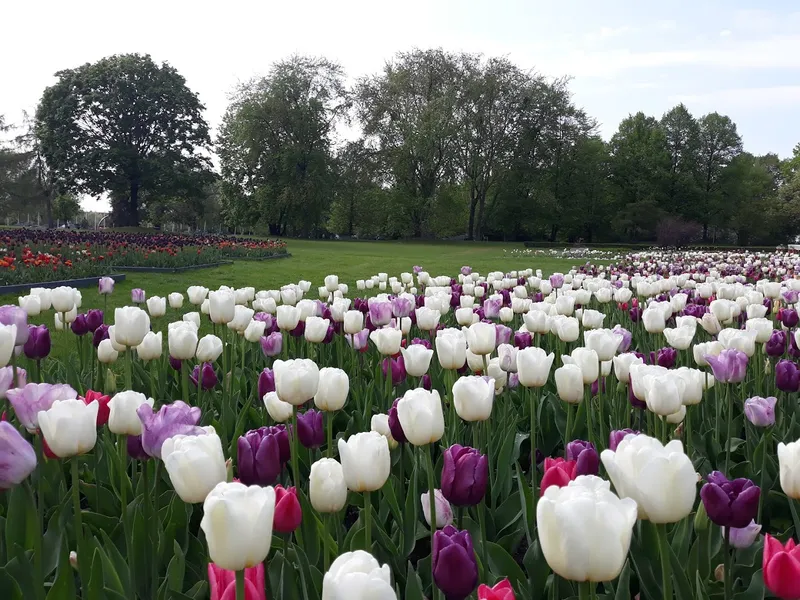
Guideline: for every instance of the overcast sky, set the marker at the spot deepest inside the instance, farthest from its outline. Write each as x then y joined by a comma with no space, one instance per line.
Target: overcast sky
734,57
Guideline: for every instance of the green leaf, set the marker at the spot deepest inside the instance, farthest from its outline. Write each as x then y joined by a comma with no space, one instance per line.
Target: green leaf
624,583
64,583
111,578
501,561
755,591
410,515
20,526
536,566
21,569
176,568
528,512
683,589
121,565
95,584
413,586
391,498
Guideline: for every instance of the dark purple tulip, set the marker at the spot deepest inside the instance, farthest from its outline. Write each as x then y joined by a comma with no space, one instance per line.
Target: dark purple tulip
259,455
171,419
266,382
398,369
455,297
617,435
595,387
789,317
330,333
298,331
394,424
422,342
585,454
209,377
426,382
455,568
667,357
538,297
80,326
522,340
502,334
760,411
794,351
635,402
695,310
38,345
776,344
768,303
635,313
14,315
627,338
729,367
465,473
310,431
730,503
100,334
94,318
175,363
135,448
787,376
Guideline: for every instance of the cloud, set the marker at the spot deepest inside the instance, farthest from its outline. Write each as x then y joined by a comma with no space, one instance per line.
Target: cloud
744,98
725,33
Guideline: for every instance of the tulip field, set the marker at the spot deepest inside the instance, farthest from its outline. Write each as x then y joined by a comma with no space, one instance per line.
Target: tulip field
380,421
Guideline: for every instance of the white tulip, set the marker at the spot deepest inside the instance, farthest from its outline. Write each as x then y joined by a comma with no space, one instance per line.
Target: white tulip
417,359
326,486
704,349
353,322
366,461
221,306
603,341
254,331
241,318
358,576
182,340
195,463
31,304
592,319
387,340
533,366
197,294
473,397
106,353
63,298
296,380
175,300
277,409
420,414
653,320
69,427
679,338
157,306
316,329
45,297
569,383
481,338
334,385
789,468
150,348
622,365
209,348
451,348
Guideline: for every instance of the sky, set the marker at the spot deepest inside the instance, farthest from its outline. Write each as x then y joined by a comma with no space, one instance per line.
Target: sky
734,57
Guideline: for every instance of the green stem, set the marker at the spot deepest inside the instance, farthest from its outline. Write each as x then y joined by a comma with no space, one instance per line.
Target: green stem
767,436
367,522
240,585
296,465
431,504
666,571
128,369
185,380
568,430
389,375
729,407
38,572
326,518
484,548
728,564
584,590
83,557
533,442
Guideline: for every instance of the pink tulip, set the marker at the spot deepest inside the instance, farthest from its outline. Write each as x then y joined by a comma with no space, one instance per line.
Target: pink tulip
223,583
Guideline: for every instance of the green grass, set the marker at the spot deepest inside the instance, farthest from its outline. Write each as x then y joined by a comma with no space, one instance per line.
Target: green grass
312,261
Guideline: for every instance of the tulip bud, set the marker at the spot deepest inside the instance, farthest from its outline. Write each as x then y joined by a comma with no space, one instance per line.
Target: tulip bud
444,513
327,488
455,568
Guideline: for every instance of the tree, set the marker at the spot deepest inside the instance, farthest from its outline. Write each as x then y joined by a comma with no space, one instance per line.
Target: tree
275,142
682,137
66,207
123,126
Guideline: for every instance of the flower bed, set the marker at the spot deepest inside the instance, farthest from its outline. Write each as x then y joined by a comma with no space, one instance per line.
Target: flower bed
34,255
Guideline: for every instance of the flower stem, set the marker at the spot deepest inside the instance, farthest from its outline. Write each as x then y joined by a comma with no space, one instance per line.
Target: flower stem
185,380
533,394
38,573
767,436
432,504
568,430
296,465
240,585
729,407
128,369
367,522
666,571
728,565
326,518
83,559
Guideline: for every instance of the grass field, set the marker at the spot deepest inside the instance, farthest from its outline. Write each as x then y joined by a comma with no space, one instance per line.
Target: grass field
312,261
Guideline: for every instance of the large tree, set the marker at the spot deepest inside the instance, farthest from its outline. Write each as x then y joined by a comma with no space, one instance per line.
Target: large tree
122,126
275,144
682,137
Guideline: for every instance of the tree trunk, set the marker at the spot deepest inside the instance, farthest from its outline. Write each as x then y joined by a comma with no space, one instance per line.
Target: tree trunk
480,222
133,209
49,200
471,226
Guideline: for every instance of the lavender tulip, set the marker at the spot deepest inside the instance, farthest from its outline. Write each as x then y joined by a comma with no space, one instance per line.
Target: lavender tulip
359,341
502,334
94,318
380,313
730,503
491,308
35,397
137,296
729,367
585,455
266,382
38,345
14,315
743,537
402,307
627,338
465,474
272,344
557,281
787,376
466,270
177,418
310,432
760,411
261,455
455,568
105,285
17,457
206,375
790,296
6,379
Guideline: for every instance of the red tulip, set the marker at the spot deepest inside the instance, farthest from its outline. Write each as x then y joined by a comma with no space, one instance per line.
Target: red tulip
558,472
102,400
501,591
223,583
288,513
781,566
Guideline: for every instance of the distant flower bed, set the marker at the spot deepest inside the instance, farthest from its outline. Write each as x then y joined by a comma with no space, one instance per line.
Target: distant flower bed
31,255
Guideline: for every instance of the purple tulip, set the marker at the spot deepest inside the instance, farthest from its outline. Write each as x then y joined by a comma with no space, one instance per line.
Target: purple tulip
7,376
417,269
776,344
502,334
171,419
272,344
394,424
175,363
208,379
422,342
491,307
260,455
380,313
402,307
298,331
14,315
513,381
635,402
17,457
635,313
465,270
730,503
359,341
617,435
427,384
666,357
557,281
455,568
789,317
455,297
38,345
627,338
743,537
94,318
137,296
266,318
100,334
310,432
585,454
695,310
596,386
398,369
329,335
790,296
266,382
522,340
80,325
465,473
105,285
34,397
760,411
135,448
729,367
787,376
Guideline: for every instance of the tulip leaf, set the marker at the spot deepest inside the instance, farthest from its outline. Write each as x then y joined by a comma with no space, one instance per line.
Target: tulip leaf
700,590
196,592
52,539
642,562
20,524
623,591
64,583
120,565
413,589
528,511
755,591
508,513
536,566
111,578
310,577
21,569
410,515
391,498
503,478
385,540
95,585
176,569
519,438
309,525
683,589
503,564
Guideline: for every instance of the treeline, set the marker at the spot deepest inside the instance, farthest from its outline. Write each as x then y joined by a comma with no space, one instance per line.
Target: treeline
437,144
